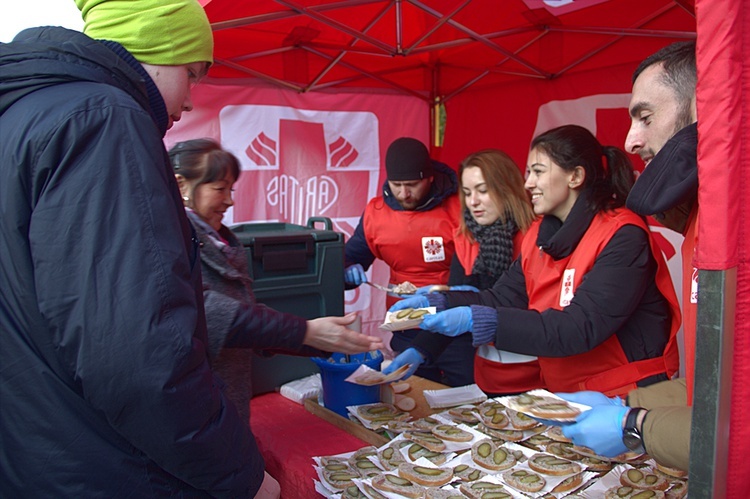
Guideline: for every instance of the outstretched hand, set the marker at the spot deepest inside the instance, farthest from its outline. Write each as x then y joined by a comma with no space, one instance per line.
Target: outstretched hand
331,334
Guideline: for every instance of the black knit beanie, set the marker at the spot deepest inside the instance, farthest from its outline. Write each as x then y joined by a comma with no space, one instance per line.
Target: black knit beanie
407,159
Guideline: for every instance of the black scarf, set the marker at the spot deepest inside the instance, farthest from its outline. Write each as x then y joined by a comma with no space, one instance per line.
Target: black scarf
495,245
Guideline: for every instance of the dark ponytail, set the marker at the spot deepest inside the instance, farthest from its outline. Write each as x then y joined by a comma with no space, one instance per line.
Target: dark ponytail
618,182
609,172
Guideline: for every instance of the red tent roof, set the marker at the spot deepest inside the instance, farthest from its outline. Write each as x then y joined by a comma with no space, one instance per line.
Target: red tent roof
436,47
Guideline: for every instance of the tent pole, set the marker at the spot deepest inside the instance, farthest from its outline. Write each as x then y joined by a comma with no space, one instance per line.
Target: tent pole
709,437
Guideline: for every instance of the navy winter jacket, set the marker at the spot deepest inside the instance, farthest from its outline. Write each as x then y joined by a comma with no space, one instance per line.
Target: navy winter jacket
105,386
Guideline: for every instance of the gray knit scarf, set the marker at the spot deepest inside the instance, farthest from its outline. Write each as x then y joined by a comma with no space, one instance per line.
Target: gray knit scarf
495,244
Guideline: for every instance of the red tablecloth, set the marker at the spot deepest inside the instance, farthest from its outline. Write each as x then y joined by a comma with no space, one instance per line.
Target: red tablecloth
289,436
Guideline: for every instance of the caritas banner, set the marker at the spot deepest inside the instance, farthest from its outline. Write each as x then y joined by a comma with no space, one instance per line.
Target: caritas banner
321,154
307,155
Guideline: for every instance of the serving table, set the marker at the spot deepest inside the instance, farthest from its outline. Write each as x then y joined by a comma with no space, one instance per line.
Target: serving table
289,435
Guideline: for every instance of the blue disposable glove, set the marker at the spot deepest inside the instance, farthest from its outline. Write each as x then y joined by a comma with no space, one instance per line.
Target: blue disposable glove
460,287
419,301
408,356
599,429
451,322
355,275
590,398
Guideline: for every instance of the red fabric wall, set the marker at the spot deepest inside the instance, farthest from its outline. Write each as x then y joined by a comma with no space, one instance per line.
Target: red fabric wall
724,176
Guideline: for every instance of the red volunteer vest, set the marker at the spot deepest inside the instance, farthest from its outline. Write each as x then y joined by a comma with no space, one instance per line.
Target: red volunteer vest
492,376
416,245
690,299
552,284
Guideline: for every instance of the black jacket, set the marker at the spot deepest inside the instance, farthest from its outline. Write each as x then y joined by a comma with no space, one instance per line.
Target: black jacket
668,187
617,296
105,386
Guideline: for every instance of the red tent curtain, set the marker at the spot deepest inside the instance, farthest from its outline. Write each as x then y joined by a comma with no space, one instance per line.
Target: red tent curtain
724,175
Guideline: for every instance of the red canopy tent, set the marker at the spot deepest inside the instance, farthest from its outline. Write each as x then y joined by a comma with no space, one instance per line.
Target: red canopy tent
476,62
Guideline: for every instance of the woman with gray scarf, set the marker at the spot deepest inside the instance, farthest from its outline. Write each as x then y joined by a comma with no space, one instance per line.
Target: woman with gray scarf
496,213
237,323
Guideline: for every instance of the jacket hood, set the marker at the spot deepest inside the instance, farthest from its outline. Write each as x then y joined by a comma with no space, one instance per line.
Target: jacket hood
41,57
444,184
670,179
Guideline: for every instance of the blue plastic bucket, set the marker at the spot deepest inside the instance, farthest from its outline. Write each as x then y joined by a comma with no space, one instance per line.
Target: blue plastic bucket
337,393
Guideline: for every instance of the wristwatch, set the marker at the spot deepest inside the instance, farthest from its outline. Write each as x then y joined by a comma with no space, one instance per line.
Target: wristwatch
631,431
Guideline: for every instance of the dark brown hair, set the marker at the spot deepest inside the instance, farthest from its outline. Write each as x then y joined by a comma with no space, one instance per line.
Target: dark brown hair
572,145
203,160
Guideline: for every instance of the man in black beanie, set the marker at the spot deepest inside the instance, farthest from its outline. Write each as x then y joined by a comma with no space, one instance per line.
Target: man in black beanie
411,228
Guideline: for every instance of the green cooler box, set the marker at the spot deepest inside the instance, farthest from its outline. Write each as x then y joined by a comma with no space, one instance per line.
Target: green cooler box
298,270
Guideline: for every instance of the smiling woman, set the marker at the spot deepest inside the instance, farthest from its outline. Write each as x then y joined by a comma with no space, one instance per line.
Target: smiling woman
590,294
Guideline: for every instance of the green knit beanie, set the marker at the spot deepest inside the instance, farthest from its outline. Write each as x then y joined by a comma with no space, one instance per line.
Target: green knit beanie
158,32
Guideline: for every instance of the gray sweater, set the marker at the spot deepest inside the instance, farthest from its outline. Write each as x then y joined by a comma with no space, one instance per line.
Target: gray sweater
237,323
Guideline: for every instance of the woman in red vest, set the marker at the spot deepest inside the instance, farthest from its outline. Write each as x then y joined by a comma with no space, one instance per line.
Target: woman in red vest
496,212
590,295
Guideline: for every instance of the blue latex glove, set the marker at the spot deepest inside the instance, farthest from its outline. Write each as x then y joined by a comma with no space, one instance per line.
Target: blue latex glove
355,275
590,398
451,322
599,429
408,356
461,287
419,301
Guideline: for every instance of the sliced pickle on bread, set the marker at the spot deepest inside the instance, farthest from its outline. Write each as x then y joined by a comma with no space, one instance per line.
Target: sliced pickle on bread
466,473
426,439
371,492
365,468
494,417
390,457
524,480
504,434
556,434
464,415
452,433
570,483
521,421
353,492
563,450
388,482
426,423
381,413
643,479
416,451
431,477
489,455
626,492
552,465
480,489
595,464
435,493
339,480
